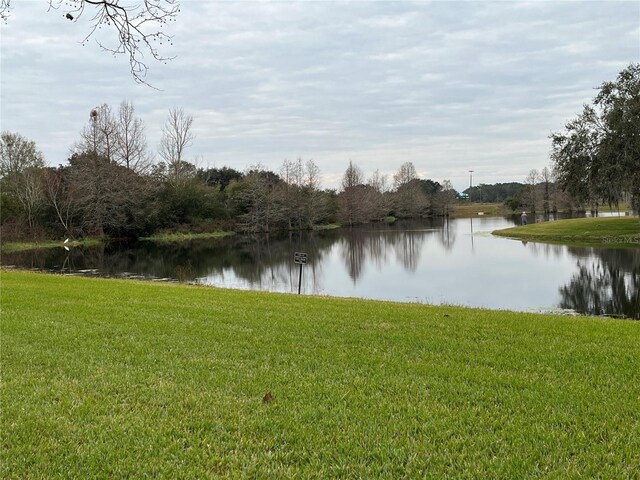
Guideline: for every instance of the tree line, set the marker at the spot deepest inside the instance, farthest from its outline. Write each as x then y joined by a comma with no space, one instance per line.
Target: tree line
113,185
596,157
539,192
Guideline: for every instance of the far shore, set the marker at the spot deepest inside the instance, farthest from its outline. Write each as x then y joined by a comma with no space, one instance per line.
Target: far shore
599,232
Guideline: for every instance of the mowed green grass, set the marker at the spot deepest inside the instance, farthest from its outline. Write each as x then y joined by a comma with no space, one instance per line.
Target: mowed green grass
605,231
124,379
464,210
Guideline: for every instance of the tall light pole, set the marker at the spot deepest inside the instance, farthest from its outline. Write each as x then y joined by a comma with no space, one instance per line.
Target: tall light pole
470,217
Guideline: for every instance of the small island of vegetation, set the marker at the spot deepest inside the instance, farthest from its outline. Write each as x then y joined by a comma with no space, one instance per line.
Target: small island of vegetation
172,237
607,231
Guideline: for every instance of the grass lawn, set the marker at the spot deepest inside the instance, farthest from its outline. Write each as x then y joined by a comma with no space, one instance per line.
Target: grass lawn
464,210
125,379
604,231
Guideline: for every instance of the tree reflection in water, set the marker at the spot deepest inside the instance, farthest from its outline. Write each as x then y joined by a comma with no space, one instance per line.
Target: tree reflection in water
376,261
447,234
353,248
607,283
360,247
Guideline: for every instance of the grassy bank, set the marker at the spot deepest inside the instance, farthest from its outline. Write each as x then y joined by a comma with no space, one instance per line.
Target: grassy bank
175,237
612,231
114,379
465,210
169,237
622,207
24,246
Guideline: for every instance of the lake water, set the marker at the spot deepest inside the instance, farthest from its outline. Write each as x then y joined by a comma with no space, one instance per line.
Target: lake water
435,261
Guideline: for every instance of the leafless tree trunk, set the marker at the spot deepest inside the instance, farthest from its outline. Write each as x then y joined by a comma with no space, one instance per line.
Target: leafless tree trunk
56,189
379,197
131,143
530,193
545,176
300,193
314,203
291,192
177,136
31,196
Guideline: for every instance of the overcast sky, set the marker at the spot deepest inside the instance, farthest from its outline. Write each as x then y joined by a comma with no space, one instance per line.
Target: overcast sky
449,86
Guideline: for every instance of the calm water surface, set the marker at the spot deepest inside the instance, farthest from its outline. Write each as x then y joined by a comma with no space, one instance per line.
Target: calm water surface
432,261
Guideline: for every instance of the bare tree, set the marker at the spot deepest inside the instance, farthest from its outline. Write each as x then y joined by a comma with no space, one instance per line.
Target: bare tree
131,142
352,200
99,135
255,196
57,191
21,173
352,176
379,195
409,199
30,194
17,154
137,26
315,205
312,175
446,197
379,182
404,175
300,193
107,129
530,195
291,192
546,178
177,136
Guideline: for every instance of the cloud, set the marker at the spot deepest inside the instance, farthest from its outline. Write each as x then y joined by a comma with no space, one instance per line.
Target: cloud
450,86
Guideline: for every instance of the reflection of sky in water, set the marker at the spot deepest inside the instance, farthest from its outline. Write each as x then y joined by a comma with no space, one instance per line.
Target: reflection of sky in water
438,266
429,261
496,272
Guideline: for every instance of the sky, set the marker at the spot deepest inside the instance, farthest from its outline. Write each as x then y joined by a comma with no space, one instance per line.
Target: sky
448,86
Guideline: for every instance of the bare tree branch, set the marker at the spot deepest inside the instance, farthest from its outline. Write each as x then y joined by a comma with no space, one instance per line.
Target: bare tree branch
5,7
137,24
